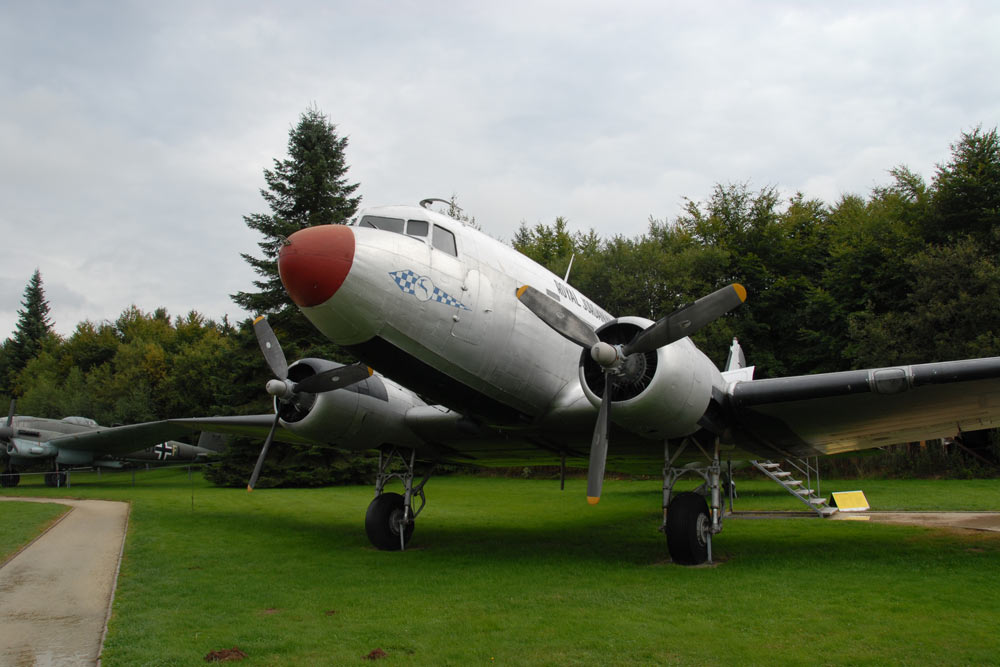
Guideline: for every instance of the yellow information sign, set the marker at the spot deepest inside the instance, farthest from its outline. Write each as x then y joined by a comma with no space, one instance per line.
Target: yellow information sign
850,501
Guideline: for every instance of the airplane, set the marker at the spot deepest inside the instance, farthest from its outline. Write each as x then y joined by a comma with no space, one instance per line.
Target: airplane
487,358
79,441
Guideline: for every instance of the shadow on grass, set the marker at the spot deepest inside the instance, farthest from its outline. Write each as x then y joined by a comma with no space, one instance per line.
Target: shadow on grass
575,544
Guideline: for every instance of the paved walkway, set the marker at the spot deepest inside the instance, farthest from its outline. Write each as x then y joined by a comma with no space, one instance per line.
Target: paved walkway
989,521
55,596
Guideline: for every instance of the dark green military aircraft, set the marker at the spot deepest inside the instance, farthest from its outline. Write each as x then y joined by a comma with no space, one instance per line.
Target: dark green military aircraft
78,441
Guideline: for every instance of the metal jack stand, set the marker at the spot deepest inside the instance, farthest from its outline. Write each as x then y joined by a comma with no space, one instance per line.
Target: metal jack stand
409,515
712,474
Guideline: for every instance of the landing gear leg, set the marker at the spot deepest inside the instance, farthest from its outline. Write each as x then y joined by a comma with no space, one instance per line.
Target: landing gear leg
10,478
688,521
391,517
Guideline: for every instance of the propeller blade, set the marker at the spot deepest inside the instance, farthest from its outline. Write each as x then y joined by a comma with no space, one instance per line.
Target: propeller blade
688,319
7,431
335,378
561,320
271,348
263,455
599,446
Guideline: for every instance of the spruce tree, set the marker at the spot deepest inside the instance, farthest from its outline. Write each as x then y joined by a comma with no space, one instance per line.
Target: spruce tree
33,327
307,188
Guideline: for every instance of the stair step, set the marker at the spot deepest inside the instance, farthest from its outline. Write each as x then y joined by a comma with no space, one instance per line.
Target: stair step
768,464
792,482
818,501
802,492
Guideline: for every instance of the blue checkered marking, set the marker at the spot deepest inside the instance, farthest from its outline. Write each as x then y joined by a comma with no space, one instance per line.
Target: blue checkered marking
424,288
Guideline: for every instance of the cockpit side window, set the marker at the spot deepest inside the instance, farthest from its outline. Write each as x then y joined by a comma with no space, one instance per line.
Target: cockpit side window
416,227
378,222
444,241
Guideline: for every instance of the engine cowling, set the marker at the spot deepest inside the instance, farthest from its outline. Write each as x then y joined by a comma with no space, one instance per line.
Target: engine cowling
358,416
659,394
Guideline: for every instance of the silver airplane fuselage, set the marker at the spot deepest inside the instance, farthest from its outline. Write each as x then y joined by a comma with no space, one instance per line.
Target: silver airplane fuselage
432,303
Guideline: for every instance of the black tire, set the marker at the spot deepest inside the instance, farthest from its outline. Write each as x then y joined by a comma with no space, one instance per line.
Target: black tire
10,479
55,479
382,522
50,479
687,529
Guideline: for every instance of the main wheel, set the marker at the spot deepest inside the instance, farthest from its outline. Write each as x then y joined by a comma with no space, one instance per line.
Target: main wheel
55,479
10,478
688,528
382,522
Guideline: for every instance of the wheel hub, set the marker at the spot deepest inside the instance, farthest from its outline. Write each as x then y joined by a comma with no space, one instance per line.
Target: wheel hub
703,529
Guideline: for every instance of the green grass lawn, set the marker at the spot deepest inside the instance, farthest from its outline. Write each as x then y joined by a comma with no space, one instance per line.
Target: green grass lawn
505,571
22,522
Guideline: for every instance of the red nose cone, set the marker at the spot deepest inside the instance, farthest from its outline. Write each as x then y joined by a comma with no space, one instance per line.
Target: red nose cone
315,262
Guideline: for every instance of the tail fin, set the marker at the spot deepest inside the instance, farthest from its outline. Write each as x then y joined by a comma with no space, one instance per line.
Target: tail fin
736,365
217,442
736,359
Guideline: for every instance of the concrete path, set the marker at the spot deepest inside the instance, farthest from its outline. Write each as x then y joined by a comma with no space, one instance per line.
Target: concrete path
988,521
55,596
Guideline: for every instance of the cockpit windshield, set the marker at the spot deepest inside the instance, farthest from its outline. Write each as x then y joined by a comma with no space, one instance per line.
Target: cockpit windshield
440,238
378,222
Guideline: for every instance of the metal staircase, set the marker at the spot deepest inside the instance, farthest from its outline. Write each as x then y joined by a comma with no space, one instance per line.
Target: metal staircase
801,490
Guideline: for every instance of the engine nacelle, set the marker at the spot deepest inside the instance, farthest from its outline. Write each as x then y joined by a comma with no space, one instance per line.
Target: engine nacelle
360,416
25,450
660,394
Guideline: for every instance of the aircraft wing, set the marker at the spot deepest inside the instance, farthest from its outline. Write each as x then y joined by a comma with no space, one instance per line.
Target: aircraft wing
120,440
830,413
254,426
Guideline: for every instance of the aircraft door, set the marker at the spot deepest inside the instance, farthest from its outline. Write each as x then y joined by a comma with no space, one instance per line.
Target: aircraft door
472,325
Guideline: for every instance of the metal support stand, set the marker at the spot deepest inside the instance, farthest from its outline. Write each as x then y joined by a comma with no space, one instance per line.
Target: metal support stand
732,484
385,461
712,474
562,473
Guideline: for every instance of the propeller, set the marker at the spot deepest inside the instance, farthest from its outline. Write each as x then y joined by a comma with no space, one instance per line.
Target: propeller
285,389
7,430
684,321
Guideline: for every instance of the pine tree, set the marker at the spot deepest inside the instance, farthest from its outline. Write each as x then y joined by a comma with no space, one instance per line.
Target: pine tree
307,188
33,327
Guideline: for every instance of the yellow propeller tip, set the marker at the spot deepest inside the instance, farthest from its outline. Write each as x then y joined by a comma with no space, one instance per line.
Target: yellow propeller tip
741,291
249,489
593,500
259,318
521,290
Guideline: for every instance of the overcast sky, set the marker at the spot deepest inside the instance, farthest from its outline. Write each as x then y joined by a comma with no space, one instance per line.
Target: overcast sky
134,135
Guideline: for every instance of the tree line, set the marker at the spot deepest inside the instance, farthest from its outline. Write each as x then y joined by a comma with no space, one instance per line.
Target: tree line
907,273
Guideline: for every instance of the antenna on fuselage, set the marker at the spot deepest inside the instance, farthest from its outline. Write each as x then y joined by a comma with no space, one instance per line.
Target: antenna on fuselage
426,203
571,258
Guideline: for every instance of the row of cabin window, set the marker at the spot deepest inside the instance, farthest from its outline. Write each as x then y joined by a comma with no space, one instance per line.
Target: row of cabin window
441,238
